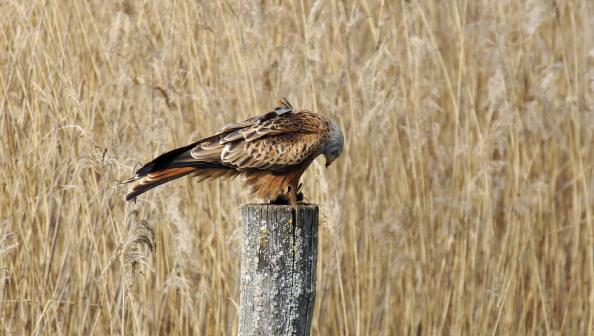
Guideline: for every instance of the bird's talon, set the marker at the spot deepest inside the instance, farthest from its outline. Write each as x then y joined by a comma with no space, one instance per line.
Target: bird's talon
280,200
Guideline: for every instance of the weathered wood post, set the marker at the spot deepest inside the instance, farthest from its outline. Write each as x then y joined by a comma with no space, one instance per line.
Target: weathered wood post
278,269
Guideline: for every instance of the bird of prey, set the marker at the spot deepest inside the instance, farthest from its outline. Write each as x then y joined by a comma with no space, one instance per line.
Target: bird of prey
271,150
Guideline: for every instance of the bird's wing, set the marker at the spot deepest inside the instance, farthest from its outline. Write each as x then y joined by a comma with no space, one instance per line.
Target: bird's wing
275,141
277,152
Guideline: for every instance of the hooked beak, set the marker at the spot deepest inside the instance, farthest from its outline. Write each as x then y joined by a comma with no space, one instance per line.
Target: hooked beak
328,163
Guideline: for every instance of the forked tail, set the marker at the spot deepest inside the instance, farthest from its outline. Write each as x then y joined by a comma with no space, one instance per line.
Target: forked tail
169,166
151,180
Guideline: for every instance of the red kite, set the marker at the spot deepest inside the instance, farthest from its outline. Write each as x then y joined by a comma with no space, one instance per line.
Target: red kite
272,151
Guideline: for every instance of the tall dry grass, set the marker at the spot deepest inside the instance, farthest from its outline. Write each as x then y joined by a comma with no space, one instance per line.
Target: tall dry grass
462,203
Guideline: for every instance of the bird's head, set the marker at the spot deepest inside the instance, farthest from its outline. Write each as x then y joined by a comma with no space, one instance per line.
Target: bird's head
333,144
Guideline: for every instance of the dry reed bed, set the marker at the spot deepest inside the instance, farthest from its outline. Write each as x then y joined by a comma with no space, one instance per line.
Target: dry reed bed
462,203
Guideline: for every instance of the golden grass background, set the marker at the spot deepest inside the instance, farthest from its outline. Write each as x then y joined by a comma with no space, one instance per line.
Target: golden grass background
462,203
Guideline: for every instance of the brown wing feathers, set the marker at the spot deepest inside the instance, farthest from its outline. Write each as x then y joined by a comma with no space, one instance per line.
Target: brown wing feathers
272,150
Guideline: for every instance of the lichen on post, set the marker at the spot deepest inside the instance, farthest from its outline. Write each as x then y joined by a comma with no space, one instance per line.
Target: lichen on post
278,269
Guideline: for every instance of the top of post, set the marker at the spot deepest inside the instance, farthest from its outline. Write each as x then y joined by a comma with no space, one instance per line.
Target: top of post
280,207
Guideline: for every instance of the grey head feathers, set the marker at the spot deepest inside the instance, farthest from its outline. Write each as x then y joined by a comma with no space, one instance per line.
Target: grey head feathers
333,144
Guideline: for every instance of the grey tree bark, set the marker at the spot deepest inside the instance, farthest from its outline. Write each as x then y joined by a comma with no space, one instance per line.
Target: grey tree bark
278,269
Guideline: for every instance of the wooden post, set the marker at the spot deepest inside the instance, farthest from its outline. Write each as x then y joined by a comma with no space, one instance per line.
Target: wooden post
278,269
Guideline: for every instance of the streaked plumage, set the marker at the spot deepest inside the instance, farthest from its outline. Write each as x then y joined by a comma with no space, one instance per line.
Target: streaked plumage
272,151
